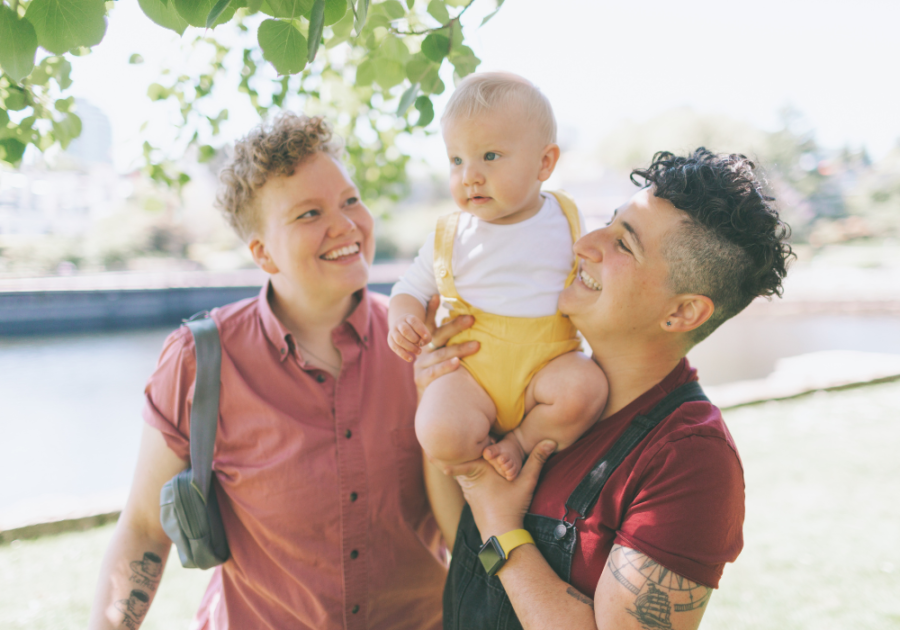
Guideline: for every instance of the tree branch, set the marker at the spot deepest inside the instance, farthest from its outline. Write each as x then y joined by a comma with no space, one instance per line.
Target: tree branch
426,31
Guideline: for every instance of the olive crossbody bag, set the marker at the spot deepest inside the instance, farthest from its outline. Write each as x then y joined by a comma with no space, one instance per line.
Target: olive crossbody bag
188,508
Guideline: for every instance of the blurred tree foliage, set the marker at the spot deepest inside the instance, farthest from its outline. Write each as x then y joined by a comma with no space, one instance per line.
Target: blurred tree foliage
371,66
825,196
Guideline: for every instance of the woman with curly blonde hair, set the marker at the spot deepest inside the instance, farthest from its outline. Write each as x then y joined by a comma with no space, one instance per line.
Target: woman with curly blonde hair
318,474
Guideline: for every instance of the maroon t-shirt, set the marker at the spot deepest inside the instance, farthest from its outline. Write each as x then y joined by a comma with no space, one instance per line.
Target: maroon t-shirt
678,497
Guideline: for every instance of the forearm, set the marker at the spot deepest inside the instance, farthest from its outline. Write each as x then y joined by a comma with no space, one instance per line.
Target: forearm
539,597
446,500
129,578
402,305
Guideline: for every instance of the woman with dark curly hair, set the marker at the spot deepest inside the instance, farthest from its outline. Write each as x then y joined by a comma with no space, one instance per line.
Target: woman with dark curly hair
318,474
631,526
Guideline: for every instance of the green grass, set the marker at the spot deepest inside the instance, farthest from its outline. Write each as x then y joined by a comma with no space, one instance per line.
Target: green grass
822,534
49,583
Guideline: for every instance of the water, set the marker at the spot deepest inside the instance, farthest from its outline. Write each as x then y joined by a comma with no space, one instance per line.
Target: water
70,404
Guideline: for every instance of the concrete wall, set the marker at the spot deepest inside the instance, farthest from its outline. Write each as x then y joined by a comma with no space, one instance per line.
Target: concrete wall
41,312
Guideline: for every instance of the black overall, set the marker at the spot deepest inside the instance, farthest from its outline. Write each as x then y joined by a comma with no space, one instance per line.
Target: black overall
474,601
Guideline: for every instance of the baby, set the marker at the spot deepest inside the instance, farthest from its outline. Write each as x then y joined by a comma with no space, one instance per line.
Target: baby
503,258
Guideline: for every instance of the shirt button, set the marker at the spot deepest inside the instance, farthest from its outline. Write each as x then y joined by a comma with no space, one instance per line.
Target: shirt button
355,609
348,433
353,497
320,378
354,554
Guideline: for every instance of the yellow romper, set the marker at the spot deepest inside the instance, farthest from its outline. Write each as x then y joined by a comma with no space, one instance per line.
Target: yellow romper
513,349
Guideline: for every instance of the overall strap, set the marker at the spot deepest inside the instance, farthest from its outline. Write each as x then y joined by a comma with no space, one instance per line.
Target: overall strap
444,235
587,492
570,210
205,406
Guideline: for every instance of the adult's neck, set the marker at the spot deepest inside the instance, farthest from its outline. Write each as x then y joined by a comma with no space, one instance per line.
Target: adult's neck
634,368
306,316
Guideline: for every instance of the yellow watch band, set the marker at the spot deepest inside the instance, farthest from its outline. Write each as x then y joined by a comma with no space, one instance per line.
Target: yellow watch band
513,539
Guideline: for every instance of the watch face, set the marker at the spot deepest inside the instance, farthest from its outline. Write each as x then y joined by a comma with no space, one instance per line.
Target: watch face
491,556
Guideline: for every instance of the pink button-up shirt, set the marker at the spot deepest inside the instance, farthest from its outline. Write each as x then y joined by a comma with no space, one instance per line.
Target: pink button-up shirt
319,479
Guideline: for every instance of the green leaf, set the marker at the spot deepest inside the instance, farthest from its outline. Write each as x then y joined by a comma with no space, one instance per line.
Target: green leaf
485,20
393,9
67,129
215,12
11,151
417,67
18,44
407,99
436,46
4,118
464,61
196,11
165,14
135,59
393,48
15,100
64,104
334,11
253,6
283,46
431,83
316,25
362,10
389,73
410,4
287,8
438,10
63,71
62,25
426,111
206,153
365,73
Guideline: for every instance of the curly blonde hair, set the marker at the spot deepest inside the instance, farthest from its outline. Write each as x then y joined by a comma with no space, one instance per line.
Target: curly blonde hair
272,149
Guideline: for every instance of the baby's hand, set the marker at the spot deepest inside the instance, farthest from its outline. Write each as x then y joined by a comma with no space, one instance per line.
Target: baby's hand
408,336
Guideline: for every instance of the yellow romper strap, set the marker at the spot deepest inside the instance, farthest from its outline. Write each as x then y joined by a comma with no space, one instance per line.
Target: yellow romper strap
571,211
444,235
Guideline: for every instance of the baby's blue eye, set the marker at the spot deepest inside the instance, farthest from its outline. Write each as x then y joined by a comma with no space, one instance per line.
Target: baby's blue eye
457,161
490,156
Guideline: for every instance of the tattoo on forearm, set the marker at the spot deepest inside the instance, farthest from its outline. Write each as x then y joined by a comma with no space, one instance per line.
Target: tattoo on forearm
654,587
584,599
145,575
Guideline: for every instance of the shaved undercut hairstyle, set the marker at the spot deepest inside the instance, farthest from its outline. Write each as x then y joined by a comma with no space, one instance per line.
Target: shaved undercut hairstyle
274,148
497,91
732,246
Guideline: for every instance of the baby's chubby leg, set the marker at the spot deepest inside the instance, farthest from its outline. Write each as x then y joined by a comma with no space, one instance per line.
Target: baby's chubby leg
564,399
454,419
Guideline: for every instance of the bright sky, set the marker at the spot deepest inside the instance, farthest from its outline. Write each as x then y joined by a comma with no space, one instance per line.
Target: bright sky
603,62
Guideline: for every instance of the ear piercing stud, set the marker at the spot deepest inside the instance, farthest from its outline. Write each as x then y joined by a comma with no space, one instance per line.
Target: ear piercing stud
668,323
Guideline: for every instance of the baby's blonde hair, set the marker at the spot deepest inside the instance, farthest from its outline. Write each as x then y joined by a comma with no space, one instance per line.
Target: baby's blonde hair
489,91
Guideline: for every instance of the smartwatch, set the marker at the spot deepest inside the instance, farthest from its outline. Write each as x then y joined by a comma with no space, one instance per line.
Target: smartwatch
495,552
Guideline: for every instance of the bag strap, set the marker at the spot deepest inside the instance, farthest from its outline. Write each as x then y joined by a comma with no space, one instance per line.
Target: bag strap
587,492
205,406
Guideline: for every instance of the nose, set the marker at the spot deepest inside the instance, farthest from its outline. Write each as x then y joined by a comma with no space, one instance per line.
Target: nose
342,224
472,174
590,246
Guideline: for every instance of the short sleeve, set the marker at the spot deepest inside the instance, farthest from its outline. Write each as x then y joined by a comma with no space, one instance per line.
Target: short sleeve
688,515
170,390
419,280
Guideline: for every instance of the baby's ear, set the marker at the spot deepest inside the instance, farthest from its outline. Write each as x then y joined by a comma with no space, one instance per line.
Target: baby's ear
549,158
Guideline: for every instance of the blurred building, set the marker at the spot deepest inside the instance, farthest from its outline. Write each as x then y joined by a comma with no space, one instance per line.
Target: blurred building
65,197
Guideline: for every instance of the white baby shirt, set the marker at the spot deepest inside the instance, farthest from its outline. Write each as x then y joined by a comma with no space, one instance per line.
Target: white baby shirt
514,270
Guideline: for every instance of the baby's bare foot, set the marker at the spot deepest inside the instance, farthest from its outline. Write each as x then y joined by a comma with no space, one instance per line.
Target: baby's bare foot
506,456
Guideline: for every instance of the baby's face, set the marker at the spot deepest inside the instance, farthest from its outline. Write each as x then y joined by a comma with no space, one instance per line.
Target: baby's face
497,164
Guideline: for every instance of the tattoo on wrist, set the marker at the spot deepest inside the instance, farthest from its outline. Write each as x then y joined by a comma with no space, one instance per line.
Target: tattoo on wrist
655,587
145,576
576,594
